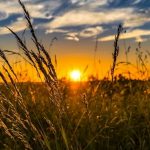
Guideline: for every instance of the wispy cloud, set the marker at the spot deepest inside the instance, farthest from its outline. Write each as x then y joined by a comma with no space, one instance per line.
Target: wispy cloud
42,9
82,17
17,26
48,31
3,15
72,36
130,17
86,18
137,1
137,20
90,32
136,34
92,3
85,33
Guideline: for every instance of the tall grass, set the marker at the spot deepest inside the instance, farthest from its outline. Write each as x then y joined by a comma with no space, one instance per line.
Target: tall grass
15,118
116,51
52,116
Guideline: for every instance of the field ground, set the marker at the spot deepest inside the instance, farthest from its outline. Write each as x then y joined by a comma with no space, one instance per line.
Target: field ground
96,115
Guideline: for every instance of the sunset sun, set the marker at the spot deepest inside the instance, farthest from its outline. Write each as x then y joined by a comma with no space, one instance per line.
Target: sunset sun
75,75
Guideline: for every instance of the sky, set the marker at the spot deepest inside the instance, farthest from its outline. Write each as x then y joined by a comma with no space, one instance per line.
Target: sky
77,24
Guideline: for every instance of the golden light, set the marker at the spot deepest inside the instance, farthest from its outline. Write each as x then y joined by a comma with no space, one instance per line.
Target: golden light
75,75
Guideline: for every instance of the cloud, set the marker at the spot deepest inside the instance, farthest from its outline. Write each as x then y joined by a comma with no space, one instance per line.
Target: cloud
92,3
97,3
83,17
137,34
37,10
55,31
65,16
74,36
90,32
140,39
9,8
12,8
136,2
3,15
136,20
17,26
85,33
80,17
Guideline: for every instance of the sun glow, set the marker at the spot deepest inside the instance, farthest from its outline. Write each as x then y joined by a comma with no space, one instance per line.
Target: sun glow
75,75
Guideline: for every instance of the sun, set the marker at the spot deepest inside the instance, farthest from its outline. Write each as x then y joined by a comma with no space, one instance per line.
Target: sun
75,75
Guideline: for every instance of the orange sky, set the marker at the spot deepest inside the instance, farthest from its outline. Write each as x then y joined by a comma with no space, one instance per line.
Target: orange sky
76,60
78,55
77,24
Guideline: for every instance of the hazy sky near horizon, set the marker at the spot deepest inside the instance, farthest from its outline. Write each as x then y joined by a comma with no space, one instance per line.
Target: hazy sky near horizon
76,24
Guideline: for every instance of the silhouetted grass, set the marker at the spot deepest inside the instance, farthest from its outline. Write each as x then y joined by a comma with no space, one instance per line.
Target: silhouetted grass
52,115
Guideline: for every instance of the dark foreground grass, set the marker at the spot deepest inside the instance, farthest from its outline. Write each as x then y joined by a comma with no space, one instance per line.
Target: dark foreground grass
60,115
96,116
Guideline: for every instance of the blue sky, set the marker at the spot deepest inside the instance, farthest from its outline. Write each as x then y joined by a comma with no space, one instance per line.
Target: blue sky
76,24
80,19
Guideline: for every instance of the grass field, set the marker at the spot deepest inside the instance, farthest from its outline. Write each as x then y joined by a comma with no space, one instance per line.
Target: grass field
108,114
